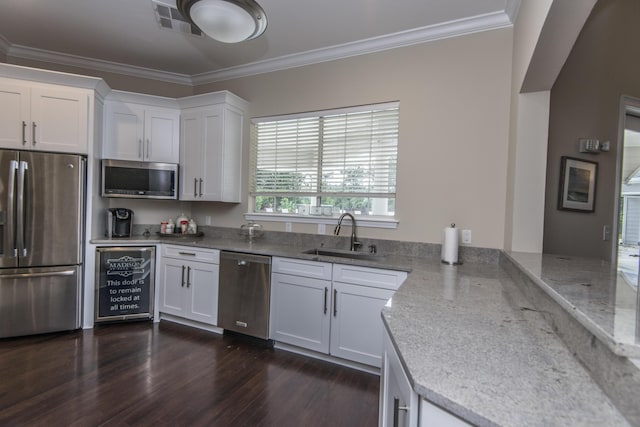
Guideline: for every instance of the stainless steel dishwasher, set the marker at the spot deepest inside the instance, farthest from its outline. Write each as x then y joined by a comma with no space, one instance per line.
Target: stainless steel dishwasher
244,293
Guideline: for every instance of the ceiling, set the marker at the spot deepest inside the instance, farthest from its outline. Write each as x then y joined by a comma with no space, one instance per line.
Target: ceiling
123,35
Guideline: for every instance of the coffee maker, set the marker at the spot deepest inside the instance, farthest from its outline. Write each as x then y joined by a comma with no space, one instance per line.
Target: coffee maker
119,222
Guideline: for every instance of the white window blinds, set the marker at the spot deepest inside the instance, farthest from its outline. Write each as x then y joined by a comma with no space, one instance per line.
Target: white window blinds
339,153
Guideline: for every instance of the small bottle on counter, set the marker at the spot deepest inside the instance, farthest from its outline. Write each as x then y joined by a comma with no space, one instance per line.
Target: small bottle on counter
163,227
170,227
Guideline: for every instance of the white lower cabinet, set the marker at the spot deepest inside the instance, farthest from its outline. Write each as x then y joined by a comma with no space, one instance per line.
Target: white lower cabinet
189,283
400,405
313,307
398,401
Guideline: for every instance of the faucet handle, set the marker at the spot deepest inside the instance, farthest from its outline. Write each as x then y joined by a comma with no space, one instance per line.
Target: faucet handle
356,245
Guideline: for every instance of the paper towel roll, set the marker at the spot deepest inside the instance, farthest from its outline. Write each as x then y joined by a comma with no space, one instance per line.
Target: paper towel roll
450,245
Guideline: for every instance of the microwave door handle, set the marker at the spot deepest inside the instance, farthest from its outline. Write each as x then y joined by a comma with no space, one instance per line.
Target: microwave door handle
11,206
22,194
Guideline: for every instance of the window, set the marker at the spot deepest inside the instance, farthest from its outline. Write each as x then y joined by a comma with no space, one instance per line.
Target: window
326,163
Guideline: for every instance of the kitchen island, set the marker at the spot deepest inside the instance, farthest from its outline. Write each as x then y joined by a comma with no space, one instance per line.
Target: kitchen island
469,340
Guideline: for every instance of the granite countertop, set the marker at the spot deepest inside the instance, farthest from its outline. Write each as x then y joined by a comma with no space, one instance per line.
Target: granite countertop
260,247
472,344
592,291
468,339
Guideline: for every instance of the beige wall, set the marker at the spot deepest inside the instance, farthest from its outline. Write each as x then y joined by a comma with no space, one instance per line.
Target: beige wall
527,28
454,116
603,65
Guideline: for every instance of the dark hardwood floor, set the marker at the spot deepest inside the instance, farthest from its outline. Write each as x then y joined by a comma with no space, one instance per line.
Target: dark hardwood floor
169,375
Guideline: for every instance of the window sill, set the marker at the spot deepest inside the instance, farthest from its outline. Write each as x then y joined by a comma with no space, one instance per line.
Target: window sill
362,221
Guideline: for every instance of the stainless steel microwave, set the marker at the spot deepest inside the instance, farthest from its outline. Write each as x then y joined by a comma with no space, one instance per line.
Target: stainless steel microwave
139,180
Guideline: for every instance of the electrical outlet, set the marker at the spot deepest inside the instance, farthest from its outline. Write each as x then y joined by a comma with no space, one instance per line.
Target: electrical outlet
287,226
606,233
466,236
207,220
322,228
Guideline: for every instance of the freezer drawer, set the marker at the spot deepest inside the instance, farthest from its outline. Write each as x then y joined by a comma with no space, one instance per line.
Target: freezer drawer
39,300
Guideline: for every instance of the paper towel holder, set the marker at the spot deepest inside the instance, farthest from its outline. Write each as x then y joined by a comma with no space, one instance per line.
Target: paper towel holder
444,257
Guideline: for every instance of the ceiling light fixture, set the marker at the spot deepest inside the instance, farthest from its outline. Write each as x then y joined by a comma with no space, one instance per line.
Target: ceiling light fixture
228,21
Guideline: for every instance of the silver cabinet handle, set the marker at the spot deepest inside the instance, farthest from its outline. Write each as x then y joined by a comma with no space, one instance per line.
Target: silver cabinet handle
33,132
335,302
148,149
140,149
195,187
188,276
187,253
396,410
182,282
200,187
325,299
24,133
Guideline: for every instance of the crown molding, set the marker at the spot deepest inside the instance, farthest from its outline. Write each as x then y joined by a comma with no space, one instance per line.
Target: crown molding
450,29
24,52
376,44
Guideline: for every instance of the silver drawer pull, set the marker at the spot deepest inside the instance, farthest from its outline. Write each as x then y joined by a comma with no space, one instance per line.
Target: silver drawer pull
187,253
243,324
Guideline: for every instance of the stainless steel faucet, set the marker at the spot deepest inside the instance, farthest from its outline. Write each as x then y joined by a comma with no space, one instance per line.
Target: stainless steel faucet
354,240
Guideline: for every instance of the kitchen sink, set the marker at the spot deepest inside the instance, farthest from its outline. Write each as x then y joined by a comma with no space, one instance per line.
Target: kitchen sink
343,253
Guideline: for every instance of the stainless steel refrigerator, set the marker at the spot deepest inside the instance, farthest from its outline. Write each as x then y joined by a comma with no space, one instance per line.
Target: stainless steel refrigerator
41,241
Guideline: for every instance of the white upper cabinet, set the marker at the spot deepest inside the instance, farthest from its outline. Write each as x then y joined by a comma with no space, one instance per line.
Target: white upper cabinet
141,128
211,147
37,116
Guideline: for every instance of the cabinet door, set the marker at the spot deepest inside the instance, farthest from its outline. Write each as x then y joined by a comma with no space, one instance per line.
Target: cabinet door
173,287
300,310
191,158
124,132
398,401
202,284
231,172
431,415
59,119
15,123
356,325
161,136
212,155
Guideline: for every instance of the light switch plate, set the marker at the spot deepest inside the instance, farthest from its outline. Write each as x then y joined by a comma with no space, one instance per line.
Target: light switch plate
287,226
322,228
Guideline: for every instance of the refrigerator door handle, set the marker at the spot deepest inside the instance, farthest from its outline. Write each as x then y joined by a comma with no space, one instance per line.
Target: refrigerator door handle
44,274
22,173
11,203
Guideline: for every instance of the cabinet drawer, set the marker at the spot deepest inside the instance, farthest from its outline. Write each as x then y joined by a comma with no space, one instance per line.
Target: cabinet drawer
301,267
191,254
375,277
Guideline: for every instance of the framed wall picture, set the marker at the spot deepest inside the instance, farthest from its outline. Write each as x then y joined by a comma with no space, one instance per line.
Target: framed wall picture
577,185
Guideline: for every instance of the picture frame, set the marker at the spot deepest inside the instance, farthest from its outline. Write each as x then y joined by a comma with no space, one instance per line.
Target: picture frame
578,179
